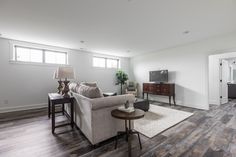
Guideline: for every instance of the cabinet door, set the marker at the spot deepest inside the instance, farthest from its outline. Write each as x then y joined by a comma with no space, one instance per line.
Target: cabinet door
145,87
152,88
165,89
158,89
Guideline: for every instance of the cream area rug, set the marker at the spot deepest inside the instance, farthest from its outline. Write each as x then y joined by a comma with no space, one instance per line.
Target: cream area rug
158,119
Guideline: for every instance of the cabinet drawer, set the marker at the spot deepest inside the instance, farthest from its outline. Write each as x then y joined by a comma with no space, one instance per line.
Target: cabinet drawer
165,89
145,87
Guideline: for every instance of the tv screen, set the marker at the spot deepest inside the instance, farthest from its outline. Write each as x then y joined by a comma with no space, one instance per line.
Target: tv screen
158,76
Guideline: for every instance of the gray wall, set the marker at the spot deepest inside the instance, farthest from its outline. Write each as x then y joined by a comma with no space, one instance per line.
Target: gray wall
24,86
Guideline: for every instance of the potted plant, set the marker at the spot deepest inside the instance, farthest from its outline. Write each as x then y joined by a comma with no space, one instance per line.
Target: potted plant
121,77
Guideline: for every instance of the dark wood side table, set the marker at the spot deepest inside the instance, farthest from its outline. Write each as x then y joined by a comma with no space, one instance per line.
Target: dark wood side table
128,130
55,99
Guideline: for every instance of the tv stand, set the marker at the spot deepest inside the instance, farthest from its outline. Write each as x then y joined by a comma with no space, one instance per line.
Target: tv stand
165,89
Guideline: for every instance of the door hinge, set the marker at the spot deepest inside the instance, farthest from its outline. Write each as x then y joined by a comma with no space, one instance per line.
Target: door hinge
220,80
220,64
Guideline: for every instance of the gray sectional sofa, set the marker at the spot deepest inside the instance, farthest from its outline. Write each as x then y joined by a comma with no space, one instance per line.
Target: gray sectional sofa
93,116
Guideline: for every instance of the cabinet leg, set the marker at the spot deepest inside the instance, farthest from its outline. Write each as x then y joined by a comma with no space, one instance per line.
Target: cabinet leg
170,100
174,99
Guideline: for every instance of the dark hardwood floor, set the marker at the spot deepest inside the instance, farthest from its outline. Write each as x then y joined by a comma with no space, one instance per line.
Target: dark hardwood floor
206,134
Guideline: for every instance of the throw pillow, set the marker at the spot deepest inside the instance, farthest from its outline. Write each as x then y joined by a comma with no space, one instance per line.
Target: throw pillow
90,84
90,92
72,86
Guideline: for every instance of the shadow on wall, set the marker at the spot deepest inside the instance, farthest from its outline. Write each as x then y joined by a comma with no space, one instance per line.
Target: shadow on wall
187,97
172,76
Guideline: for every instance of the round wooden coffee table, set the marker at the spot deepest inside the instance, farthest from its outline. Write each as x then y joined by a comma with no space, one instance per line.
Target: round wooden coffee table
137,114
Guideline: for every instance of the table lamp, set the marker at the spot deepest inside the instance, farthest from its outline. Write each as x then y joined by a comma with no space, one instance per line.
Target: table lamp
60,82
65,73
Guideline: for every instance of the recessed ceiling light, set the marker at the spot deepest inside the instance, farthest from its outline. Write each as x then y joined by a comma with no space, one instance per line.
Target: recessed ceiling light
82,41
186,32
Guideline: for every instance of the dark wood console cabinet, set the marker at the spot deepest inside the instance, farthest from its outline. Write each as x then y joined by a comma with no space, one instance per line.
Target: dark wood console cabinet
165,89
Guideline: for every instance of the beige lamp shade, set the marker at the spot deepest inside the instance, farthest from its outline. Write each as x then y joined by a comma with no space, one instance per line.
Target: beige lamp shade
64,73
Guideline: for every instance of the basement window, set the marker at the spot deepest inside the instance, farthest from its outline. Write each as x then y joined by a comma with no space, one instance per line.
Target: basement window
103,62
37,55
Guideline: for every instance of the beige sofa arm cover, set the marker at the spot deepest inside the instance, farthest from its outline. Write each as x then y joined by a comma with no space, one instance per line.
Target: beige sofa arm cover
99,103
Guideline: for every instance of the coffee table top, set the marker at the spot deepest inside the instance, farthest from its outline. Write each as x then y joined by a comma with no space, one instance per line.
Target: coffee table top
127,116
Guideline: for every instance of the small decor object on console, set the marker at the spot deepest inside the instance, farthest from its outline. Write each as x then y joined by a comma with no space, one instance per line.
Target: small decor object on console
65,73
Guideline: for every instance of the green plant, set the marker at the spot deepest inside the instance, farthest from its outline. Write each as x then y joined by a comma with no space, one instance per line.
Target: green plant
121,77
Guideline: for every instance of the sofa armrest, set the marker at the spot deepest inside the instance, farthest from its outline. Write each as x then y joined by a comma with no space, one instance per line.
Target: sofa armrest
83,102
99,103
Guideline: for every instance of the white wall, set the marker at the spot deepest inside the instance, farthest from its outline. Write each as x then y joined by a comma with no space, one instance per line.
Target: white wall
26,85
188,68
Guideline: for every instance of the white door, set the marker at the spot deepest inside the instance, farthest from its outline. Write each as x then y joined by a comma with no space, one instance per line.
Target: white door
224,76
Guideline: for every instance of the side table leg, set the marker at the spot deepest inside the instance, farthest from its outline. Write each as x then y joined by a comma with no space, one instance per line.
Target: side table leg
53,117
49,108
126,130
140,144
72,114
116,140
129,139
63,109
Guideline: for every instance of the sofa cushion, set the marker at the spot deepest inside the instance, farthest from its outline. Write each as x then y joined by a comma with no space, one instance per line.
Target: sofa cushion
73,86
90,84
90,92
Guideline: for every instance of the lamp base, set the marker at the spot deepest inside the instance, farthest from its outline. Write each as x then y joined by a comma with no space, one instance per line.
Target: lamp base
66,89
60,87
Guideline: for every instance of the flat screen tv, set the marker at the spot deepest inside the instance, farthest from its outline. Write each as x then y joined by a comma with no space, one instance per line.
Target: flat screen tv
158,76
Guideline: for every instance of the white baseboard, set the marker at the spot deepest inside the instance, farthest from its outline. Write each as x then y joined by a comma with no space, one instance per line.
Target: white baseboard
214,102
20,108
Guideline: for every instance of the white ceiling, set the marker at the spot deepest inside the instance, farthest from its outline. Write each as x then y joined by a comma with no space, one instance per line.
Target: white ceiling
116,26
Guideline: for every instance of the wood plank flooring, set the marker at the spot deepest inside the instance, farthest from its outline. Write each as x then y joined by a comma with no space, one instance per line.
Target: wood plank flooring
206,134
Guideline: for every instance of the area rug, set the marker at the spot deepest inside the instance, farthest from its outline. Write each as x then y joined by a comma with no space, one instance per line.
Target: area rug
158,119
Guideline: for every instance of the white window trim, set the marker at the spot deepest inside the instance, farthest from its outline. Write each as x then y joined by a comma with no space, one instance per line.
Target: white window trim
12,56
106,58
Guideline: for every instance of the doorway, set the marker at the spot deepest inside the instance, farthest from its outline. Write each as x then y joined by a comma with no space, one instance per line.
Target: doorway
222,78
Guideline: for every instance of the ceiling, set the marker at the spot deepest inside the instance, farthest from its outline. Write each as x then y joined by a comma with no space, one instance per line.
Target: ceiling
116,27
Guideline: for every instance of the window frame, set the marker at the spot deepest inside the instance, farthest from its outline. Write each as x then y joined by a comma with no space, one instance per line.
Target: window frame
14,56
107,58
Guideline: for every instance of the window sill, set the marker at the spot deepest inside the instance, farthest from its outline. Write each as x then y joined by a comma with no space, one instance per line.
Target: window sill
36,64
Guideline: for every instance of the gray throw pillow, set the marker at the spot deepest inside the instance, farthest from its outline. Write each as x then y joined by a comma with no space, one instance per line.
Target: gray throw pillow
90,92
90,84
